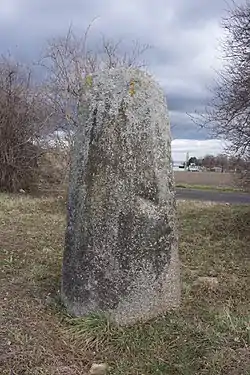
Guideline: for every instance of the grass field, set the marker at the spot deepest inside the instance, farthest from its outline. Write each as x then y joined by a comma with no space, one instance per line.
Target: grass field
226,181
209,188
208,335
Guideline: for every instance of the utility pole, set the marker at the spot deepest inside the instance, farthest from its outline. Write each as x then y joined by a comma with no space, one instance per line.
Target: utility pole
187,159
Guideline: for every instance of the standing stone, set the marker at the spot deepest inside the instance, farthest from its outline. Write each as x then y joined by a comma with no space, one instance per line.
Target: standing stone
121,253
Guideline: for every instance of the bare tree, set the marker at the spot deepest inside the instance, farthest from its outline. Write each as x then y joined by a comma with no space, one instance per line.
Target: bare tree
69,61
228,113
22,117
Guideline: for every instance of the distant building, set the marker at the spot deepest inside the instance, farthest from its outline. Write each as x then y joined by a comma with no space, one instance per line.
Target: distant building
178,166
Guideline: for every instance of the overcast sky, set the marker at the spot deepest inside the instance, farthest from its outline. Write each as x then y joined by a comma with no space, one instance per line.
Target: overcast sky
184,35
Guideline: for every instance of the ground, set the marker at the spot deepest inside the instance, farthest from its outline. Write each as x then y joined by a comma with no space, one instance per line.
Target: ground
208,335
207,180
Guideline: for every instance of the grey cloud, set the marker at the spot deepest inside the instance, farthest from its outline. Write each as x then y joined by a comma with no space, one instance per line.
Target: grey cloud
193,13
183,126
164,24
188,131
186,103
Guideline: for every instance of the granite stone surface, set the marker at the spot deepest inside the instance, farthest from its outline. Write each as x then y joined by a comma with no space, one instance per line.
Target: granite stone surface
121,248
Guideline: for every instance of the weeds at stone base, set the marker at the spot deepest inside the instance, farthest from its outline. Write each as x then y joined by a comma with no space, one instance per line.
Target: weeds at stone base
209,335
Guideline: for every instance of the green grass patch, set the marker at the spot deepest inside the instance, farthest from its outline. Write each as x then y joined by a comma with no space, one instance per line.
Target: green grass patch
208,335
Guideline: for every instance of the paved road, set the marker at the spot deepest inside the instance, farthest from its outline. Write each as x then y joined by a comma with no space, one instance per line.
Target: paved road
213,196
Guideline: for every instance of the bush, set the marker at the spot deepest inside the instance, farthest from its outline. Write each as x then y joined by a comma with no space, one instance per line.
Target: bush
21,115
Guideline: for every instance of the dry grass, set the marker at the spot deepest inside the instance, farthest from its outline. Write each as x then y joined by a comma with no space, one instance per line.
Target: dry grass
209,335
212,179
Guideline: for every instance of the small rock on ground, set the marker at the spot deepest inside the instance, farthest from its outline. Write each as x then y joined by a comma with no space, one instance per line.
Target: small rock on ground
98,369
211,282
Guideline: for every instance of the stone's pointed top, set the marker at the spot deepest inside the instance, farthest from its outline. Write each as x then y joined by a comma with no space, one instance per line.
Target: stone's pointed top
121,81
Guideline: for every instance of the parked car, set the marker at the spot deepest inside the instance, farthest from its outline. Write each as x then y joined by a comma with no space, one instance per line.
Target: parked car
193,168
